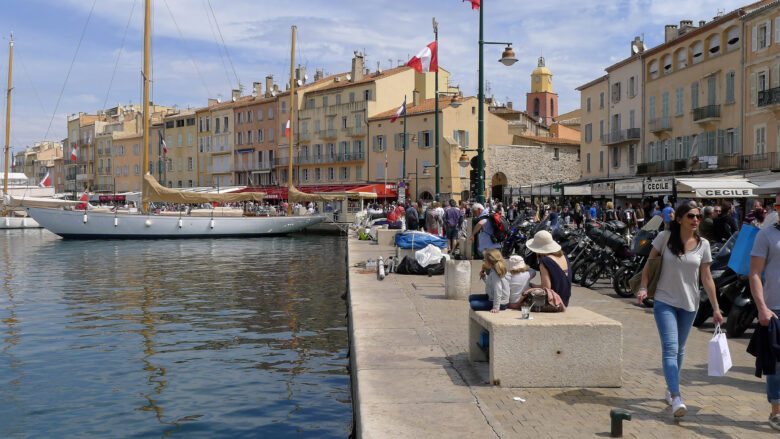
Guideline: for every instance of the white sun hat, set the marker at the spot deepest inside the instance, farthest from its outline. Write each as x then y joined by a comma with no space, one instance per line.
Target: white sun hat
543,243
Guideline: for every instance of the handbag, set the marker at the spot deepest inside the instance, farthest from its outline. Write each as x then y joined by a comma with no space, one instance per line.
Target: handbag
653,272
739,261
718,355
542,300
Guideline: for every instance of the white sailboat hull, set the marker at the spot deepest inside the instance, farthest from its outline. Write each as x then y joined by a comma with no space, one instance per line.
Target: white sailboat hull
99,225
16,222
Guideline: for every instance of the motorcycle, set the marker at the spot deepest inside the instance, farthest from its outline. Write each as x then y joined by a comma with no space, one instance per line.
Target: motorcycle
724,279
743,308
642,246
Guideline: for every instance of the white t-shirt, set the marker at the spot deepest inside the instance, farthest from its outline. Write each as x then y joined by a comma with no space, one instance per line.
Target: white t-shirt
518,283
678,285
767,246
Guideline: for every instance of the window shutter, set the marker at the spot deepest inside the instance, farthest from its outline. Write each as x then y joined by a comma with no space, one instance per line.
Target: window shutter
754,38
467,139
420,143
734,146
720,141
395,142
776,74
374,143
753,88
619,151
769,32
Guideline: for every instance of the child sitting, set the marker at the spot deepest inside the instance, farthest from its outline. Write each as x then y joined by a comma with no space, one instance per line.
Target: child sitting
496,295
520,280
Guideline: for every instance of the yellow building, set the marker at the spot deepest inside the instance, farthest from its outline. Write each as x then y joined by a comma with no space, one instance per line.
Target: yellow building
593,101
761,137
180,136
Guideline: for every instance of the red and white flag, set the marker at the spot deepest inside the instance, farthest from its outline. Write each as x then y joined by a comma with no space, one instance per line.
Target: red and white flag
474,3
85,199
425,61
401,111
163,143
287,129
46,182
73,156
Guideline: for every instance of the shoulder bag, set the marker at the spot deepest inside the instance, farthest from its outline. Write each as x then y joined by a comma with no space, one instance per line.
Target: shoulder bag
542,300
653,272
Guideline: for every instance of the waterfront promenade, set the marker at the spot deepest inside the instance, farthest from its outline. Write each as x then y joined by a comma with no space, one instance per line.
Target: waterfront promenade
412,377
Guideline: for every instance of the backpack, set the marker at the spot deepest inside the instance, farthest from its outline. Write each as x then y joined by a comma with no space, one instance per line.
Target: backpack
500,227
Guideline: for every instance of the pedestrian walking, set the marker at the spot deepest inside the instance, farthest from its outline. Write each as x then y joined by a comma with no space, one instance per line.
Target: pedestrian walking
686,258
765,257
453,220
483,231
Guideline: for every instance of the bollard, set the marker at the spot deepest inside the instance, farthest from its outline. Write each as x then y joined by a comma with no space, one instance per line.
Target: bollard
380,268
617,416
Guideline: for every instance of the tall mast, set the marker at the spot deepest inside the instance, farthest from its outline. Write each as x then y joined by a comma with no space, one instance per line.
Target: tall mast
145,133
292,136
8,115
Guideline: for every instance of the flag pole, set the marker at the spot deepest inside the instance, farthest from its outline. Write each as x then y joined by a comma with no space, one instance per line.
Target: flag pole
404,144
385,171
436,109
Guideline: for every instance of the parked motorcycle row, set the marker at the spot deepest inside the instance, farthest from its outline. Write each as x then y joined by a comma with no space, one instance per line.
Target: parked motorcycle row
608,250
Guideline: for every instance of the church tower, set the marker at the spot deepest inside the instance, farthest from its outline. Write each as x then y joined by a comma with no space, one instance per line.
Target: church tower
542,103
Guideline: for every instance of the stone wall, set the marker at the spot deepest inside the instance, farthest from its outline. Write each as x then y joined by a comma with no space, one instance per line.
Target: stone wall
524,165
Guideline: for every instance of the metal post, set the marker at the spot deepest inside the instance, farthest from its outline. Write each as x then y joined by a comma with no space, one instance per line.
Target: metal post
147,45
481,121
404,144
8,117
436,112
416,179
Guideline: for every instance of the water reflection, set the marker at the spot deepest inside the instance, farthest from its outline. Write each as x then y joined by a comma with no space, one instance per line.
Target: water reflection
211,338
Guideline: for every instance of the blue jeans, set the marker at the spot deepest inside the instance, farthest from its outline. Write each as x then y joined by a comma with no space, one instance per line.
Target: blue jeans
674,324
773,381
481,302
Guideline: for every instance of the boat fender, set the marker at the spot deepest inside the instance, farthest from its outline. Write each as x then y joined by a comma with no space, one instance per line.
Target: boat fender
116,221
212,223
180,223
7,222
148,223
380,268
85,218
24,222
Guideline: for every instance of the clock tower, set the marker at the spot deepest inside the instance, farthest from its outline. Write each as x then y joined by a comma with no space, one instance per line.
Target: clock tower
542,103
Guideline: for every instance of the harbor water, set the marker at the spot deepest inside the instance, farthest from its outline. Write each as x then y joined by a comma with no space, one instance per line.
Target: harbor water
218,338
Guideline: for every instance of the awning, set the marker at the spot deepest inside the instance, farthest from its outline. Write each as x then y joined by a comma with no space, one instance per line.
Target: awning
582,190
770,188
629,188
715,188
389,190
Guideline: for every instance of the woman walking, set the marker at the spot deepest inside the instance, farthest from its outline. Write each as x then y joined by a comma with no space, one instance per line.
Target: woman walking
685,258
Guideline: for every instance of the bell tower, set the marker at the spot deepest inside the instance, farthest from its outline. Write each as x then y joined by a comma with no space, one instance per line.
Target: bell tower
542,103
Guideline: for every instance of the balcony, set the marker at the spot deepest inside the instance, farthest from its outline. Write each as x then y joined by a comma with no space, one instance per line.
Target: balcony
304,137
332,110
328,134
706,114
82,177
660,125
769,97
616,137
769,160
322,159
354,131
766,161
105,188
251,167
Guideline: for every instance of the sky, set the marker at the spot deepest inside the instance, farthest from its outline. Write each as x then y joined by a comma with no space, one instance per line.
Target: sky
51,80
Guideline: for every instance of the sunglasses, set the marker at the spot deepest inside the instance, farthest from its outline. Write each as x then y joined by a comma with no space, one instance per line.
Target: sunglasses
694,215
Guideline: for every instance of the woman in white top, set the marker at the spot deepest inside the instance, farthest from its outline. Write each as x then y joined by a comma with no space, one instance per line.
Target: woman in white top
520,280
686,258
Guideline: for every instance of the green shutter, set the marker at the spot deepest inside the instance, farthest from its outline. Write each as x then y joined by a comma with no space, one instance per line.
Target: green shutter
467,139
374,145
395,142
420,143
721,134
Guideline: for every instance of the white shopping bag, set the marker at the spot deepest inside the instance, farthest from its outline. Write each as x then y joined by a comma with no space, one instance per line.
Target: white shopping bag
719,356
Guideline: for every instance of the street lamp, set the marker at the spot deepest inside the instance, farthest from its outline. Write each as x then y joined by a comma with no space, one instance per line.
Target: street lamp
454,103
507,59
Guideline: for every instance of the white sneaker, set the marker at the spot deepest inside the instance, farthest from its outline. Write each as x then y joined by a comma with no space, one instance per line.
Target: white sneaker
678,408
668,397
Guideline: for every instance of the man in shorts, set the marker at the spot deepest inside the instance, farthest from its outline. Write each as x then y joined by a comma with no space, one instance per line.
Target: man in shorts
453,220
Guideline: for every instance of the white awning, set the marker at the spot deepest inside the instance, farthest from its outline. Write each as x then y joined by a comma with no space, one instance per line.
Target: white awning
715,187
770,188
576,190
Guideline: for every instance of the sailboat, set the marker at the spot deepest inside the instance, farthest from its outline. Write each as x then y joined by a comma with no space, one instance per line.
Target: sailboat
13,218
101,223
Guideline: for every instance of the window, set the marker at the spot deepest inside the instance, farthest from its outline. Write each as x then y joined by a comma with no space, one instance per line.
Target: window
616,157
653,69
179,166
587,105
249,137
270,134
180,123
309,103
216,125
260,135
366,95
249,115
587,157
179,140
359,172
667,64
631,87
601,160
351,96
331,173
317,174
169,124
284,106
344,173
601,100
732,39
536,107
588,133
344,122
763,80
679,102
730,87
168,142
616,92
338,99
189,139
631,155
324,101
136,149
190,164
694,95
761,36
270,113
259,114
601,129
226,124
682,59
556,154
697,52
379,143
631,119
713,45
137,169
760,139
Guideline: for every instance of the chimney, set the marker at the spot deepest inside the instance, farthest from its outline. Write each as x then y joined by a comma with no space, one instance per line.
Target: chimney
357,67
670,32
300,74
416,98
509,105
702,23
235,94
269,85
258,88
685,23
213,101
318,75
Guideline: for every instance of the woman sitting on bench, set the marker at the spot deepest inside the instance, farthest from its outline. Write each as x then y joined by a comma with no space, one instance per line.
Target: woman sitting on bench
496,295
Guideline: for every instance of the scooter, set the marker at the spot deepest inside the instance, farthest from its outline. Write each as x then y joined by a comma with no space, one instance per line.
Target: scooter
743,310
724,279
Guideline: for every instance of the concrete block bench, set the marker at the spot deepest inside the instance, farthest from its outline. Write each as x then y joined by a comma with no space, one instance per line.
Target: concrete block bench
576,348
386,236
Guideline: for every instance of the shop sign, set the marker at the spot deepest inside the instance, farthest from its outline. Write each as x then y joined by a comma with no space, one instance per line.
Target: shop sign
605,188
659,186
724,193
629,187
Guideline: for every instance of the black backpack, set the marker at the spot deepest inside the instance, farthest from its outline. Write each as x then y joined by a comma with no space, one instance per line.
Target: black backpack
500,227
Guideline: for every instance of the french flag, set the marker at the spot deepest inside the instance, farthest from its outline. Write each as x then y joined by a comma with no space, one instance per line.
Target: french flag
401,111
474,3
73,156
162,142
46,182
425,61
287,129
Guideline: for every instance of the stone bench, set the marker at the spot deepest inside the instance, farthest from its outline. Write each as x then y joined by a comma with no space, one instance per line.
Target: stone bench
576,348
386,236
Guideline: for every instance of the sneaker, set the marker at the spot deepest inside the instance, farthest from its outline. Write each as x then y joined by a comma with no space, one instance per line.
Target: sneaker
774,421
678,408
668,397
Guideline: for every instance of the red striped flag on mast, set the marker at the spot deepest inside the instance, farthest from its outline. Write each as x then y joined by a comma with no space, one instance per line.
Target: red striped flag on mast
474,3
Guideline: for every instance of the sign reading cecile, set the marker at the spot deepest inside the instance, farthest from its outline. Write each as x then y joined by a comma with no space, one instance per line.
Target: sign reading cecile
724,193
659,186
